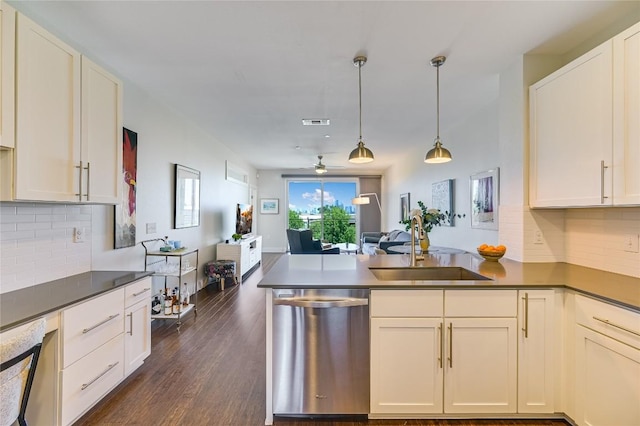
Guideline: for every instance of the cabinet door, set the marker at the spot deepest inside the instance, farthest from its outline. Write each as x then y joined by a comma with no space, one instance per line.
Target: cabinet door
406,365
480,365
47,116
571,133
626,115
101,135
7,73
607,380
137,337
535,351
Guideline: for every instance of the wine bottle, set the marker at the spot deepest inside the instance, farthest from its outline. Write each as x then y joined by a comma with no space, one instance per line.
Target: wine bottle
185,295
168,304
156,306
175,303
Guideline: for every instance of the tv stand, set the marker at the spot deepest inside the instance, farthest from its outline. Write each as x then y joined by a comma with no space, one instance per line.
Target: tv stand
247,253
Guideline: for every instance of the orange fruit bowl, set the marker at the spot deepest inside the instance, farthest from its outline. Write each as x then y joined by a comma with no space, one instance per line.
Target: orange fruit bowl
491,253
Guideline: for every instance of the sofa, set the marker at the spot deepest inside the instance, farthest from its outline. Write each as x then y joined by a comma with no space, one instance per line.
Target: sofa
370,241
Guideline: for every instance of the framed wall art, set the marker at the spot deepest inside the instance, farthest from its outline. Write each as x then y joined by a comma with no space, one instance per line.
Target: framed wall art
405,204
125,212
442,199
269,206
484,188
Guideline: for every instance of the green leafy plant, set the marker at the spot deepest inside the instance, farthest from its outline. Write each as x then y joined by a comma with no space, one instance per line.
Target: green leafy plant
430,217
236,237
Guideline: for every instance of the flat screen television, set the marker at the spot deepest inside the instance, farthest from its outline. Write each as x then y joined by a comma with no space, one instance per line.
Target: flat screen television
244,218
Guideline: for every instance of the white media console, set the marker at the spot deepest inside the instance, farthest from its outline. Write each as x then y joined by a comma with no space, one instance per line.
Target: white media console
247,253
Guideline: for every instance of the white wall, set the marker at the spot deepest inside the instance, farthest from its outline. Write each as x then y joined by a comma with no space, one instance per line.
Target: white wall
474,147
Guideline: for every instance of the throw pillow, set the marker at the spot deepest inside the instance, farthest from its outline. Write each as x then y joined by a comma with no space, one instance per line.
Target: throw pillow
383,238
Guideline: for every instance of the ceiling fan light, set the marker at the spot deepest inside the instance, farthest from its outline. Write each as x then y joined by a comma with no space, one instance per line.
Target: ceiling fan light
361,154
321,170
438,154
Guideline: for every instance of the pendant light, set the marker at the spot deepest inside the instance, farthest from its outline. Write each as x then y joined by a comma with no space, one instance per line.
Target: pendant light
438,154
361,154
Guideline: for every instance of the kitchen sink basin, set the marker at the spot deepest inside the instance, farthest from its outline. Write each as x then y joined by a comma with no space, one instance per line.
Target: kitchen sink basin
426,274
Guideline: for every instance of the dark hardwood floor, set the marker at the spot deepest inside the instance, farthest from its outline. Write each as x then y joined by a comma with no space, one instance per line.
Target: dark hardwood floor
212,373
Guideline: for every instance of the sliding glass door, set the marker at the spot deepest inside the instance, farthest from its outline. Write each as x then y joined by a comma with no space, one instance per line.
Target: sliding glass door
324,206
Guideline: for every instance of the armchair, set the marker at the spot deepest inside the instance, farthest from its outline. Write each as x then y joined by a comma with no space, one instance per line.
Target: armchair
302,242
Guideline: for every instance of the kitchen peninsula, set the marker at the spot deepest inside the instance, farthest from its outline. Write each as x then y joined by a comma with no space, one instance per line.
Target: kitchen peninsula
518,345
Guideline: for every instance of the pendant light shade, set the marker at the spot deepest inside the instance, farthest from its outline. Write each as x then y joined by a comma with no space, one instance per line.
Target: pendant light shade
438,154
361,154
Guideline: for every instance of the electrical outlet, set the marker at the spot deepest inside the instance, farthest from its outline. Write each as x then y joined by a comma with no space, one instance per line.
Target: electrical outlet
151,228
78,235
537,237
631,243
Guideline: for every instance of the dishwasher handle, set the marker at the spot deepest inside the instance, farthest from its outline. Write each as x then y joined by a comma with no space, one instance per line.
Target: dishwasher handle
321,302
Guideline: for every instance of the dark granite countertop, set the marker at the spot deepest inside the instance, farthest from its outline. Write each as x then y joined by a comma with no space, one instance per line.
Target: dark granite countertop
20,306
352,271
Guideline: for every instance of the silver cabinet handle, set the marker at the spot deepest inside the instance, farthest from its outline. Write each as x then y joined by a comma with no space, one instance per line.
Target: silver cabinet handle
440,335
109,367
525,300
602,167
606,321
79,194
450,345
86,330
88,169
141,292
130,324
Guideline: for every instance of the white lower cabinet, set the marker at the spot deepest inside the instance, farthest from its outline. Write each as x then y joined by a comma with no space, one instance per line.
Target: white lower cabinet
406,365
90,378
536,354
607,364
480,365
137,325
426,358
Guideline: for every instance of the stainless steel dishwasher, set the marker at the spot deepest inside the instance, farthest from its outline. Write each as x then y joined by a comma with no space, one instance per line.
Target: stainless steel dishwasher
320,352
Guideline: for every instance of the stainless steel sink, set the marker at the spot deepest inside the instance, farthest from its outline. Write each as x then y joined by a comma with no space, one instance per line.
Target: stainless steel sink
426,274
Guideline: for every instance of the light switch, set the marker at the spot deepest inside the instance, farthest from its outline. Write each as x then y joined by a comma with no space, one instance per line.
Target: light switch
78,235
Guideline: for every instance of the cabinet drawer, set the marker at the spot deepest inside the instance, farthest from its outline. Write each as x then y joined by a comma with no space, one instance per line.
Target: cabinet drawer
480,303
406,303
618,323
89,379
90,324
138,291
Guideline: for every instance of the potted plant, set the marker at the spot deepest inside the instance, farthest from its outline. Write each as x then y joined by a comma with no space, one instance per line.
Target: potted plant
236,237
430,218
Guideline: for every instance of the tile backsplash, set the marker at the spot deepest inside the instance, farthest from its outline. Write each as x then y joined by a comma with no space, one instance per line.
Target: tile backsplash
36,243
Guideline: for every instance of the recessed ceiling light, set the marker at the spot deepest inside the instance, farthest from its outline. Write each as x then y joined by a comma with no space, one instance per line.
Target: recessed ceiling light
315,121
327,136
297,146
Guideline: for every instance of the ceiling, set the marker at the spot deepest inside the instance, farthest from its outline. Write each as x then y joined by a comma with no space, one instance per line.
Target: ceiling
249,72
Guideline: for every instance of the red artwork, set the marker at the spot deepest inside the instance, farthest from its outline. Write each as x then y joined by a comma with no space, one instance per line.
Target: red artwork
125,213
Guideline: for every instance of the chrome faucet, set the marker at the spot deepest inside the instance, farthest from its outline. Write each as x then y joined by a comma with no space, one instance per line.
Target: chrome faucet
417,219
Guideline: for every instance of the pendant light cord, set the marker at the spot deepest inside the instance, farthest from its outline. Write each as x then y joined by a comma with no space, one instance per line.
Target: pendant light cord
360,95
438,102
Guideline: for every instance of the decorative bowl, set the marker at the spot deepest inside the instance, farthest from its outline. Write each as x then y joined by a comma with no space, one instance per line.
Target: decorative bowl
491,255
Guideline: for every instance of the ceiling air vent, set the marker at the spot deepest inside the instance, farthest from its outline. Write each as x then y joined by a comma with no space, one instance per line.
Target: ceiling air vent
315,122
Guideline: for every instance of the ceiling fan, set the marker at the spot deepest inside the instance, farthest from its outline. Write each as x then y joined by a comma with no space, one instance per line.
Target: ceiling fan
321,168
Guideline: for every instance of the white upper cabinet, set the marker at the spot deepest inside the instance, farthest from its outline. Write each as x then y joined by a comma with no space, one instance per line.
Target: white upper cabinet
626,115
571,133
47,156
585,142
68,131
7,73
101,134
